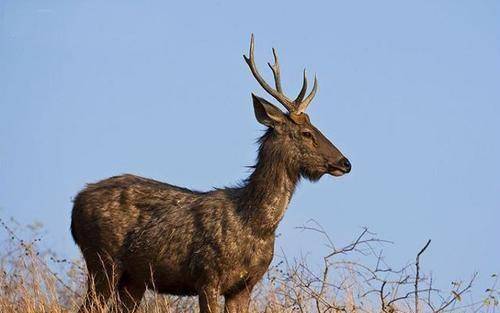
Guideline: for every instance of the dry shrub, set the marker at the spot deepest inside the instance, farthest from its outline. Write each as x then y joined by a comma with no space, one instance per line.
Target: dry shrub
353,278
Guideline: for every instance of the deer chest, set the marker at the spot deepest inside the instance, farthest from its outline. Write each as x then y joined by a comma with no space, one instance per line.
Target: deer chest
247,266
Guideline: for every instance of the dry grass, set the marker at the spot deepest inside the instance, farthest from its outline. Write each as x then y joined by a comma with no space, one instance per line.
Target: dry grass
354,278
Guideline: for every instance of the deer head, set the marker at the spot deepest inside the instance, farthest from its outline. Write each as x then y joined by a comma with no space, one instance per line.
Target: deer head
313,153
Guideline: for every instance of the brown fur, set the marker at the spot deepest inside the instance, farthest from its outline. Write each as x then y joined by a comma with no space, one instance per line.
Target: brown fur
137,233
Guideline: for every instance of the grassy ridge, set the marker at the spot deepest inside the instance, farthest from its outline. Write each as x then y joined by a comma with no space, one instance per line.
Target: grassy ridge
354,278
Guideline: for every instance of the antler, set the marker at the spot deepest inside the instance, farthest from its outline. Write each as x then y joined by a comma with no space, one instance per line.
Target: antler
296,106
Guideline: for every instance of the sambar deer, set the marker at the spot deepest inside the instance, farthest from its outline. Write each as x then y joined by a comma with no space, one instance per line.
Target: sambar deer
137,233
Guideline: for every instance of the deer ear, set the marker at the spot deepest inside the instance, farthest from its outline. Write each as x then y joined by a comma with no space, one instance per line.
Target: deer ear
266,113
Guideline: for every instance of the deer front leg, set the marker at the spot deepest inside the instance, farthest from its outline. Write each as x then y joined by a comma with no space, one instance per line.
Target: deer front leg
208,297
238,302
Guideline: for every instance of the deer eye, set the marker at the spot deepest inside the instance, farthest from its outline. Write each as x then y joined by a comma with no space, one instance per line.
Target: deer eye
307,134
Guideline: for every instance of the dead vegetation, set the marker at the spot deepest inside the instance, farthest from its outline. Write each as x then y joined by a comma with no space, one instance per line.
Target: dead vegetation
352,278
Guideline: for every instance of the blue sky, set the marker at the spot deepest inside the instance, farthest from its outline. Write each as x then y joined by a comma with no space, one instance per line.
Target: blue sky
409,91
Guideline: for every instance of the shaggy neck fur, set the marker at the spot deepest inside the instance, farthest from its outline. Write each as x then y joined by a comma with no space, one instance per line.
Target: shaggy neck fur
267,192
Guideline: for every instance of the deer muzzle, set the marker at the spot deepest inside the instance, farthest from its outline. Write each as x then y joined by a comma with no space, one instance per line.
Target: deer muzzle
339,168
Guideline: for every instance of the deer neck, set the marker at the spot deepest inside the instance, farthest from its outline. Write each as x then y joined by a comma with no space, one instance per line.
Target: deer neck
269,189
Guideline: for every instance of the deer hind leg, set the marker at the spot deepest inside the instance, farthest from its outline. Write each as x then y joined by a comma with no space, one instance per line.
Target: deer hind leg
102,279
208,299
237,302
130,294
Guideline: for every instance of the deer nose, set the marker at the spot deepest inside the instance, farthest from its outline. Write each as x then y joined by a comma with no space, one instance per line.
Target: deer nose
344,162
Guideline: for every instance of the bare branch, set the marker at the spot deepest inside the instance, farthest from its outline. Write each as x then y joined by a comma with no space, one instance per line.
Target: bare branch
417,275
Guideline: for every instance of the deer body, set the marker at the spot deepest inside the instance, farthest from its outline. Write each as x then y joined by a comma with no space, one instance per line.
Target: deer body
137,233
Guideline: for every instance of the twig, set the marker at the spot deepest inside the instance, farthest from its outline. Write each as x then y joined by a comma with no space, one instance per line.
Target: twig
417,275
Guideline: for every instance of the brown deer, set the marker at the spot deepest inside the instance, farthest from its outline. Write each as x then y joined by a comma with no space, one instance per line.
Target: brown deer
137,233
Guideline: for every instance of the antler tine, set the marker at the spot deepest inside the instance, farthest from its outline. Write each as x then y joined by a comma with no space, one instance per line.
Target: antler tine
303,105
277,94
276,71
303,90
